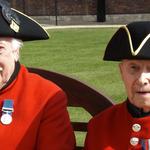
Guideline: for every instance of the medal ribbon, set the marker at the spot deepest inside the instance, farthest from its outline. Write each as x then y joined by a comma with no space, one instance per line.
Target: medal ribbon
7,106
145,143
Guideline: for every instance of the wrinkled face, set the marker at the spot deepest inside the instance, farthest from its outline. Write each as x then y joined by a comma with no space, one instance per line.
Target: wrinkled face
7,60
136,78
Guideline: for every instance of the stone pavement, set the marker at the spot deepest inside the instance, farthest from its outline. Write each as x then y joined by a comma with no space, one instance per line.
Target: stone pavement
46,26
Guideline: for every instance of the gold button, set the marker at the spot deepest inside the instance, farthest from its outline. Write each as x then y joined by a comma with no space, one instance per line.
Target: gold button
136,127
134,141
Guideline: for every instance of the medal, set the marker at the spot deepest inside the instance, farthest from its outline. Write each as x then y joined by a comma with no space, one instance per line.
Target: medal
7,110
6,119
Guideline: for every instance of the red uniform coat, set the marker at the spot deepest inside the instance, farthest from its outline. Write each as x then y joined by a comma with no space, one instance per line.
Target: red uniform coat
116,129
40,119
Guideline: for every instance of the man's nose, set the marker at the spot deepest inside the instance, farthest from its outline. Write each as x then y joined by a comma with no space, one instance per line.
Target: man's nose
144,78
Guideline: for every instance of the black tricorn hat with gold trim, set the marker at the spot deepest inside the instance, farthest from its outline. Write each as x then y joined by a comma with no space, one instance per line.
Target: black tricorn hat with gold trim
18,25
131,41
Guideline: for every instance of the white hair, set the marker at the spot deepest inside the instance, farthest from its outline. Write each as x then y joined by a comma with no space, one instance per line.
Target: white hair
16,43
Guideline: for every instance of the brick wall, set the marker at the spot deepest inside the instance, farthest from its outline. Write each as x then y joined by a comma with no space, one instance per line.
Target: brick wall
80,7
76,7
127,6
48,7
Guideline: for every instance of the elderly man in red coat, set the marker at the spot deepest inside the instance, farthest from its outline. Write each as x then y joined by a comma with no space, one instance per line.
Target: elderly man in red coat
33,110
126,126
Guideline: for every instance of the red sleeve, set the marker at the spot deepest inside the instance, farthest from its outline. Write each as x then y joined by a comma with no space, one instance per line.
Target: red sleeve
55,132
87,139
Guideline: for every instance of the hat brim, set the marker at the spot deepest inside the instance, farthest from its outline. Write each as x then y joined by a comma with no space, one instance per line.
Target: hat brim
29,29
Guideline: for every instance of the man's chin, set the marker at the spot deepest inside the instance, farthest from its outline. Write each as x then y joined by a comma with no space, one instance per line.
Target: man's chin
142,102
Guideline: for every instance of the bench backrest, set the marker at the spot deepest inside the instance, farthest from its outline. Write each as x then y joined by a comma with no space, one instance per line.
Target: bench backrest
79,95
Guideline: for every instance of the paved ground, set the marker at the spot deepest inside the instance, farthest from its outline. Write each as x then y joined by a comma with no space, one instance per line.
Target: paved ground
79,26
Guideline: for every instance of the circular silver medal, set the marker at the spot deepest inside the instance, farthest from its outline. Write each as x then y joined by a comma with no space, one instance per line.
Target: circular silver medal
6,119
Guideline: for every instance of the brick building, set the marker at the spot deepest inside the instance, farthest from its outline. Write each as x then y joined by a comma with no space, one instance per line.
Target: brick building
72,11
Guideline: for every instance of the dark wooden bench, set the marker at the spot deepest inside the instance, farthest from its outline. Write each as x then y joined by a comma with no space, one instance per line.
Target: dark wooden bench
79,95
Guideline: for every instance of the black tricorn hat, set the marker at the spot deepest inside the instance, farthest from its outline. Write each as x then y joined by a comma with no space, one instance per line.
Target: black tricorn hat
18,25
131,41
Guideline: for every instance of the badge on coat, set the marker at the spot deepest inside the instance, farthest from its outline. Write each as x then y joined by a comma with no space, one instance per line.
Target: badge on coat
7,111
